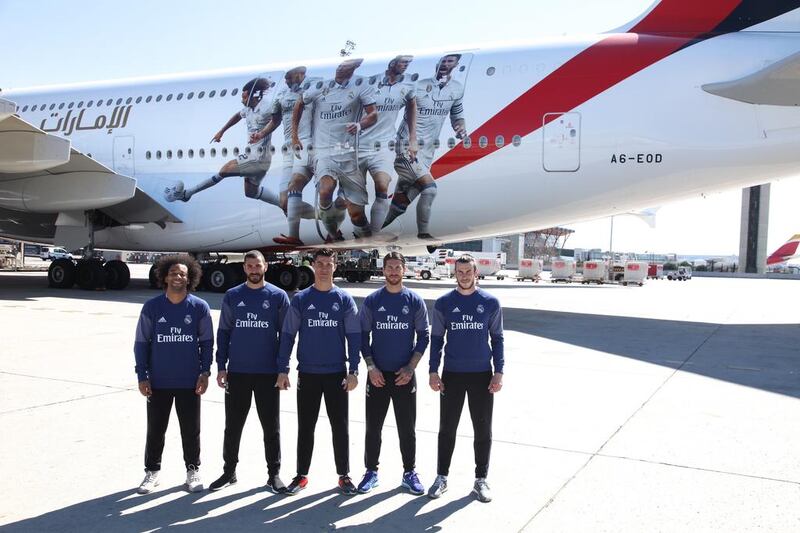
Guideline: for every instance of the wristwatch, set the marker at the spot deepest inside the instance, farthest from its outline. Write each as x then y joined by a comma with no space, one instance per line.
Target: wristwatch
353,373
370,368
205,373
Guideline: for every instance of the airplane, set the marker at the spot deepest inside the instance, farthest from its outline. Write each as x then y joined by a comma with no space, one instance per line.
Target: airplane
689,98
786,251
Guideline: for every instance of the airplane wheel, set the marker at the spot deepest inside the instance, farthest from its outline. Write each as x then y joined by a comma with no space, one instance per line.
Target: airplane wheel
425,275
365,276
219,277
61,274
118,275
351,277
152,277
238,272
305,277
90,275
286,277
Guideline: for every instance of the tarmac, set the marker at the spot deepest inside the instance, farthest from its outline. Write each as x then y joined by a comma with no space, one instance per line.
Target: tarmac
668,407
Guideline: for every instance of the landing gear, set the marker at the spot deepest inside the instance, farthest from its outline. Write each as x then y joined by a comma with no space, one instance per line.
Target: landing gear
118,275
61,274
305,277
90,274
219,277
285,277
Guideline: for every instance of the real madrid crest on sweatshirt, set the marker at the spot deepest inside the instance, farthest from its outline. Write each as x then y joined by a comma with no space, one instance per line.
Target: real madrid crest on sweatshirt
173,342
249,327
324,321
469,323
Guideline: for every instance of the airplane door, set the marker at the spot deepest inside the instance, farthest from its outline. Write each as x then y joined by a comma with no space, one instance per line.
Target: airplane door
123,155
561,151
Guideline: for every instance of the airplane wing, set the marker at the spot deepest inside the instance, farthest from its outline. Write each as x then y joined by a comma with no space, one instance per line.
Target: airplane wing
42,176
777,84
788,250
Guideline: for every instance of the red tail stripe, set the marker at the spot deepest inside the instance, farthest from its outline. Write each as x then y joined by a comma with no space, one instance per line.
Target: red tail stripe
586,75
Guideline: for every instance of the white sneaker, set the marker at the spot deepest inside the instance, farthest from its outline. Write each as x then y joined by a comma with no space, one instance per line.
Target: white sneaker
176,192
193,481
149,483
482,491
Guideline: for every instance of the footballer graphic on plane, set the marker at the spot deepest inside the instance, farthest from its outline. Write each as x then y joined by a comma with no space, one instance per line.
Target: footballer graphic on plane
787,250
406,150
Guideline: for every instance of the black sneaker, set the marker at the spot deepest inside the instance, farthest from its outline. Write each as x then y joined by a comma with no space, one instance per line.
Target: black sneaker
227,478
297,484
346,485
275,484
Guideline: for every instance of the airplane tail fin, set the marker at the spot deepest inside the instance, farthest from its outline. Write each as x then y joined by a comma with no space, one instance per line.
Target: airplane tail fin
692,17
788,250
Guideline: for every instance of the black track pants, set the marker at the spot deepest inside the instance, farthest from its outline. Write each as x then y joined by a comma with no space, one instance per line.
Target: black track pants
238,394
404,401
310,390
159,406
475,385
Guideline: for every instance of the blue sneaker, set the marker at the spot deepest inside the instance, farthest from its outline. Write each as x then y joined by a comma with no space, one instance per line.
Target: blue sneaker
368,482
412,483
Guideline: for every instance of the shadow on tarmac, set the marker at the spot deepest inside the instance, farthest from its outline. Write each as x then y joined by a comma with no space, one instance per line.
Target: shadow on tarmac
119,512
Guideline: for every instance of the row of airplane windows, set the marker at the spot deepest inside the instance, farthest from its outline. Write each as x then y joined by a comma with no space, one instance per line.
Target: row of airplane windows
129,100
483,142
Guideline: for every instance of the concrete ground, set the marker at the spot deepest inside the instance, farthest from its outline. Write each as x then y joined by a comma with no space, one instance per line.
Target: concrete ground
670,407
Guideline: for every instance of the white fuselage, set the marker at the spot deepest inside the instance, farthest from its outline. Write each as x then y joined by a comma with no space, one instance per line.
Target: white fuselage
651,138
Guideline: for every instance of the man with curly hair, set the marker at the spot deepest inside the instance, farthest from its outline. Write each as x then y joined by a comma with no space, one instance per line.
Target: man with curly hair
174,341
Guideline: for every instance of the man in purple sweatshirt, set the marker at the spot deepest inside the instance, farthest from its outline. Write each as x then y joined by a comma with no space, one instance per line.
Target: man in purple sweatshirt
472,321
325,318
174,340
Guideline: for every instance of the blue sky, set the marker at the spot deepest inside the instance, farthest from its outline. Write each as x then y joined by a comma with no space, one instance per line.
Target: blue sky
52,42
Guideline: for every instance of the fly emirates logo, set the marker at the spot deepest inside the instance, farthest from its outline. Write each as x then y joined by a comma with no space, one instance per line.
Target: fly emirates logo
174,335
392,322
251,321
323,321
467,322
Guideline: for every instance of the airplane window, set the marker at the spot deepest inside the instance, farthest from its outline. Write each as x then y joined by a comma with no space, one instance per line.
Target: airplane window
223,92
451,142
169,154
148,99
467,142
190,96
235,151
33,108
109,101
462,68
224,152
211,94
247,150
483,142
414,77
490,71
499,141
260,150
88,155
148,155
70,106
169,97
80,104
180,154
420,143
26,108
377,146
128,101
372,80
158,98
190,153
119,101
201,94
233,92
180,96
158,154
359,81
138,99
201,152
272,148
90,103
60,106
516,140
436,143
52,106
213,152
391,145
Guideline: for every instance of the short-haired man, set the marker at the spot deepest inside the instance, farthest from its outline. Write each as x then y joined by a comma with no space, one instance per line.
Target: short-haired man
250,323
326,319
174,341
472,321
394,335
